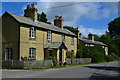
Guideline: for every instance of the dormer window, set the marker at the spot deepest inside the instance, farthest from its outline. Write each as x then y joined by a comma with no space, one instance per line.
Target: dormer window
63,38
49,36
32,33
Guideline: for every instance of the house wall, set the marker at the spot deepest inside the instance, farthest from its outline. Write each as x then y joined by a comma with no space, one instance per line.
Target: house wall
41,40
26,43
10,36
69,45
16,36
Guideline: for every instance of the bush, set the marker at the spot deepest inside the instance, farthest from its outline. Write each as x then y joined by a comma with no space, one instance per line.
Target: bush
97,53
53,59
70,54
111,57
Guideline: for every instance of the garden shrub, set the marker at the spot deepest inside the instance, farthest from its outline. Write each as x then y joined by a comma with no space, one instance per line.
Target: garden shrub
70,54
111,57
95,52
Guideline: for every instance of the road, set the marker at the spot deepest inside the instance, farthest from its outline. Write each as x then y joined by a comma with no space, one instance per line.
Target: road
81,71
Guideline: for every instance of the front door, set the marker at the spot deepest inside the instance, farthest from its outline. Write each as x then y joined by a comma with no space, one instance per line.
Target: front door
60,55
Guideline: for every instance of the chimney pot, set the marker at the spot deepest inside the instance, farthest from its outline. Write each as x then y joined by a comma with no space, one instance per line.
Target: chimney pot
91,36
58,21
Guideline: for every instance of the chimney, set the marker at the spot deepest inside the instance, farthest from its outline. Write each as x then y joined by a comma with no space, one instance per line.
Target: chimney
78,34
31,11
91,36
58,21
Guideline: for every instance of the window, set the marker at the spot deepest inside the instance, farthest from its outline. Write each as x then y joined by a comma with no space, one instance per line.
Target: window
50,53
72,50
32,33
72,40
63,38
49,36
32,53
8,53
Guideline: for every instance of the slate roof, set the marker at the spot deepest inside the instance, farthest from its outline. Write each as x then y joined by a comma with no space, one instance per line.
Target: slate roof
93,42
54,45
28,21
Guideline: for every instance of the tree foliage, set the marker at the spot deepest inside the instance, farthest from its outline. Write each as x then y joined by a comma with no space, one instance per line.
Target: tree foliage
95,52
43,18
72,29
114,27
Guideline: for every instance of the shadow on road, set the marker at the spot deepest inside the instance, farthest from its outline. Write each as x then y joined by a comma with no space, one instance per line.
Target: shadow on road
98,76
117,69
101,76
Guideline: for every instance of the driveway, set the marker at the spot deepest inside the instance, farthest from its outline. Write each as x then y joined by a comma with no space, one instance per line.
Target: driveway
110,70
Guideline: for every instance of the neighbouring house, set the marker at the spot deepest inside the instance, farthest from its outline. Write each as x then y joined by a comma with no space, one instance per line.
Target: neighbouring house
91,42
23,37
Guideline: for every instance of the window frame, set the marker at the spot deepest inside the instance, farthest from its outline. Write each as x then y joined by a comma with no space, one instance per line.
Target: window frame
49,36
32,33
9,53
32,53
63,37
72,40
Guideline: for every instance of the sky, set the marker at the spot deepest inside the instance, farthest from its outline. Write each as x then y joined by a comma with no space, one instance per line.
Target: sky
89,17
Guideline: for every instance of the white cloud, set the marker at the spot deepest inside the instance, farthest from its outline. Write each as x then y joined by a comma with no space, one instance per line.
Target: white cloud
71,14
85,31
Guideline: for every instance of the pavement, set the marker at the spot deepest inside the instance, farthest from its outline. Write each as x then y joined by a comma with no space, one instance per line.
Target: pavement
91,71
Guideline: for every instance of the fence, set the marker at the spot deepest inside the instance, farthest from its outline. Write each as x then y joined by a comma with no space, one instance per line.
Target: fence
78,60
27,64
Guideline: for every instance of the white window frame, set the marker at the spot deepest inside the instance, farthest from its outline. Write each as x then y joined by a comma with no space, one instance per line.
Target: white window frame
32,33
72,40
9,53
63,38
49,36
32,53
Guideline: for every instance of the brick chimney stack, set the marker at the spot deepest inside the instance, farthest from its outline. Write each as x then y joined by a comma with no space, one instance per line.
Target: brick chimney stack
31,11
91,36
58,21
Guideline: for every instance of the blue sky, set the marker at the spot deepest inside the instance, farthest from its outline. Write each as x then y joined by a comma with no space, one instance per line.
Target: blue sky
88,17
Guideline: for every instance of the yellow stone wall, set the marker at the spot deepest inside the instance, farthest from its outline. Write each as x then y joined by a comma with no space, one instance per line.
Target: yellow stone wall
41,40
26,43
69,45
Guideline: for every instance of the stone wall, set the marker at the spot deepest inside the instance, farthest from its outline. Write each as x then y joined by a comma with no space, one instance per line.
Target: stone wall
27,64
78,60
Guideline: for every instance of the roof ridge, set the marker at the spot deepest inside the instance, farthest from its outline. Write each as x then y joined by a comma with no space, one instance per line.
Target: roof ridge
28,21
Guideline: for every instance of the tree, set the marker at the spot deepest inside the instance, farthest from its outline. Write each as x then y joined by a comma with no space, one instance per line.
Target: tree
42,17
72,29
114,27
97,38
105,39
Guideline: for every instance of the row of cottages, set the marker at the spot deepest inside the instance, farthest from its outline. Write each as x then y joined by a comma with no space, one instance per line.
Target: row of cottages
92,42
23,37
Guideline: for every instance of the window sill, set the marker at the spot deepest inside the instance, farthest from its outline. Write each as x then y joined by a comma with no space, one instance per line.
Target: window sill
32,39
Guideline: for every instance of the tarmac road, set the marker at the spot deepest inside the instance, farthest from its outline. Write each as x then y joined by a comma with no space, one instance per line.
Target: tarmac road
101,70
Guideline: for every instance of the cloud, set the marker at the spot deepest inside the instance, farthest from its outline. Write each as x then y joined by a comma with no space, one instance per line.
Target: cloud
85,31
71,14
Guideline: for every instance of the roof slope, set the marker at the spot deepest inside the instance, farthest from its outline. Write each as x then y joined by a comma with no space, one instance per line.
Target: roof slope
28,21
54,45
93,42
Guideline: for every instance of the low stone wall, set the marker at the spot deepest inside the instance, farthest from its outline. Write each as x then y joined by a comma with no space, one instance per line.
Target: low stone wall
27,64
78,60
